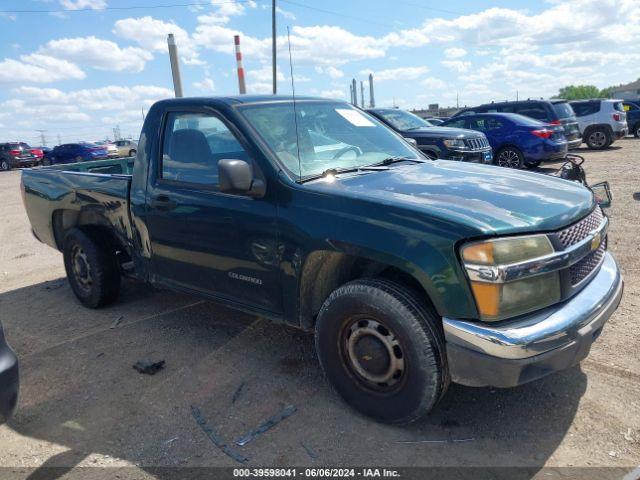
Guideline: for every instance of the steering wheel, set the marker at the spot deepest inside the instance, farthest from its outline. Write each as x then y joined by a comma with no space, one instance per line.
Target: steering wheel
344,150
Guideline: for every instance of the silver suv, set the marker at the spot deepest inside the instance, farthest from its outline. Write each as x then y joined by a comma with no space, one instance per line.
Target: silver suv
601,121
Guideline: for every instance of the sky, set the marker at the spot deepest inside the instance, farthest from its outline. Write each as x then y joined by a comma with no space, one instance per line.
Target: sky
78,68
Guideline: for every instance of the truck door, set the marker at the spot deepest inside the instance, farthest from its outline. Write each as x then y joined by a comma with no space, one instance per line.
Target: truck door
203,240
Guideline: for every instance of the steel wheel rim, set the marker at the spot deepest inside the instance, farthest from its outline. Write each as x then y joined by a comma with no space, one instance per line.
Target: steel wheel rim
81,268
373,354
509,159
4,165
598,139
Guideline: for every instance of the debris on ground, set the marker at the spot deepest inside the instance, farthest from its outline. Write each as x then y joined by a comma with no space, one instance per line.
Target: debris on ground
237,393
310,451
54,284
149,368
613,453
215,437
268,424
116,322
454,440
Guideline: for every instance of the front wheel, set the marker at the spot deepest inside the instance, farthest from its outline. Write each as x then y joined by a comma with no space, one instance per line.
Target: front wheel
92,268
382,348
509,157
132,153
4,166
636,130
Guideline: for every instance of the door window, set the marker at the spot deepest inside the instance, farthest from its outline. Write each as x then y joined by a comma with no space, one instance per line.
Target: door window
536,111
456,123
193,145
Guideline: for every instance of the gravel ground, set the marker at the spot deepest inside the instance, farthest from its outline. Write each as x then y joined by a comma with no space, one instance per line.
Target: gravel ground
82,404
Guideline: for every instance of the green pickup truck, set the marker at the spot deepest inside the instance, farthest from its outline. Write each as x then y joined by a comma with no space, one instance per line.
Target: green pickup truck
412,273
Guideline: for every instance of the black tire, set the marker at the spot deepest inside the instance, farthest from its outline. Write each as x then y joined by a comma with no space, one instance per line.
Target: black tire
90,251
132,153
598,139
46,162
509,157
5,166
636,130
411,335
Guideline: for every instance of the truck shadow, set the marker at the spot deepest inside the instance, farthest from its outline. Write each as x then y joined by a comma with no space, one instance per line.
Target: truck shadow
79,392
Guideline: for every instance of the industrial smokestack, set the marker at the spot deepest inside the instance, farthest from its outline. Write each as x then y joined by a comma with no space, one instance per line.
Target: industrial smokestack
175,65
372,102
351,93
241,84
361,93
354,86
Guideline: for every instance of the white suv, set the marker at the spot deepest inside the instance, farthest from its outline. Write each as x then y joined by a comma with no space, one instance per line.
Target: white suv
601,121
126,148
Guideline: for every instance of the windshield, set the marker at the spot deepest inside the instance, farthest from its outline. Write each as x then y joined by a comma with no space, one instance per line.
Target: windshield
329,135
402,120
563,110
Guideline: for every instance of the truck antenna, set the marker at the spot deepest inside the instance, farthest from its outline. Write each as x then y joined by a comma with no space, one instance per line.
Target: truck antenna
295,113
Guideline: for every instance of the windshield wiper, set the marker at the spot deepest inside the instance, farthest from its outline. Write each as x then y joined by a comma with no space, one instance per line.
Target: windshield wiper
337,171
396,159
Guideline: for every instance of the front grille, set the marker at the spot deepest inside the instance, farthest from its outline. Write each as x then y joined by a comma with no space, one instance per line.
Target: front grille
479,143
581,270
578,231
574,234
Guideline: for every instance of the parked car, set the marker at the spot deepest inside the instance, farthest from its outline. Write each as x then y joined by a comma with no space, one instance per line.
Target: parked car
16,154
633,116
9,379
75,152
435,121
517,141
126,148
601,121
552,112
112,150
411,272
437,142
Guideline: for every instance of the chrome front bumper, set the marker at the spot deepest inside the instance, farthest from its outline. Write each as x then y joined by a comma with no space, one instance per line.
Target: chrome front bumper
513,352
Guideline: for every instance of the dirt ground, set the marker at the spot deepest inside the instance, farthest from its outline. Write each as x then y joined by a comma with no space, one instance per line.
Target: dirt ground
82,403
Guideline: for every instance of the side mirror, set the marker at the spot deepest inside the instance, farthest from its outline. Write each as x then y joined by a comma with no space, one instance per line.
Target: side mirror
235,176
602,192
412,141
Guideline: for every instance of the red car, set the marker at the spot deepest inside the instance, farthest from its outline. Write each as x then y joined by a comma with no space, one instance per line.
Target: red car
17,154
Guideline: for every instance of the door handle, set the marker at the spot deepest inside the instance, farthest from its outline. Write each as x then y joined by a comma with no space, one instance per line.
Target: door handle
163,202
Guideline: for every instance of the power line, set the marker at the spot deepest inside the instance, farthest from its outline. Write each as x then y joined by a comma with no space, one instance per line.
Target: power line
129,7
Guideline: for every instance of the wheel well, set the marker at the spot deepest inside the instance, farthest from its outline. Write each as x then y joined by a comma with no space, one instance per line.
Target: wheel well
65,220
325,271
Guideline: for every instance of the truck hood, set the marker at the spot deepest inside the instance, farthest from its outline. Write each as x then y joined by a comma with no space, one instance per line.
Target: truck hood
486,199
440,132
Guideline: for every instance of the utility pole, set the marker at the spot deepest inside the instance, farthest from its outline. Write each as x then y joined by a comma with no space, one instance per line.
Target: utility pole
354,85
517,95
142,109
43,139
175,65
241,85
59,140
273,46
457,100
372,102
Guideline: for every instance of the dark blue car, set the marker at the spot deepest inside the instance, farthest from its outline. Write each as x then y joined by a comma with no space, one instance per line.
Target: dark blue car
517,141
75,152
633,116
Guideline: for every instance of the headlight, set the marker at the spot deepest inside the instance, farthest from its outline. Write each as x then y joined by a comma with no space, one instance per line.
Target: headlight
455,143
497,297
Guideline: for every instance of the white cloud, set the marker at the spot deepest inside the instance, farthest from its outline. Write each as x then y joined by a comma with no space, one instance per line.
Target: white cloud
455,52
265,74
206,85
459,66
337,94
98,53
37,68
402,73
223,11
151,34
433,83
333,72
83,4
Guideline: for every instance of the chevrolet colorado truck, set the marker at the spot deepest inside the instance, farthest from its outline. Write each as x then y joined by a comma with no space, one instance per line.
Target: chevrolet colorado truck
412,273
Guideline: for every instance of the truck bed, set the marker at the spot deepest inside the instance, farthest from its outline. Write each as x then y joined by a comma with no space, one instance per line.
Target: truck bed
96,193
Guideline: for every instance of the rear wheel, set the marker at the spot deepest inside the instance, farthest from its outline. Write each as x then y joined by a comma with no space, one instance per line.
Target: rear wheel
132,153
636,130
382,348
5,166
598,139
509,157
92,268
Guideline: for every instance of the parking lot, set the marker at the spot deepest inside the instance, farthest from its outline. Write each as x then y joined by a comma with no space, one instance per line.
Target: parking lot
82,403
